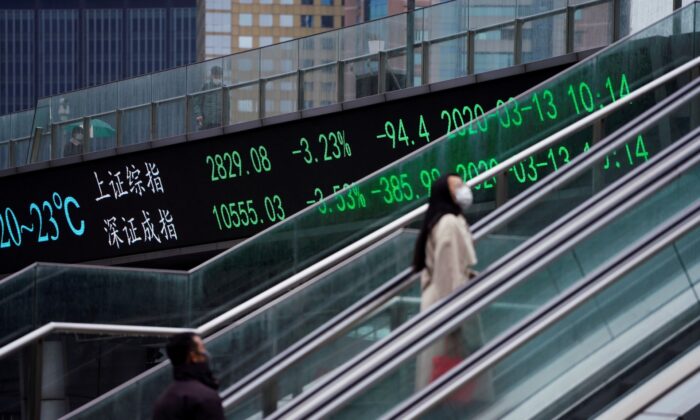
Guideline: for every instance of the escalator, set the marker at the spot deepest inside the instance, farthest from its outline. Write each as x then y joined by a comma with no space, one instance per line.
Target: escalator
224,357
294,248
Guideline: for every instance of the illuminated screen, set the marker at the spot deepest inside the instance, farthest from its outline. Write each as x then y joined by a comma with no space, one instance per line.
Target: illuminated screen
232,186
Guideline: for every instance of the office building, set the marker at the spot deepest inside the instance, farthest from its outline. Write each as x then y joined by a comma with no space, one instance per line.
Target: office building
48,47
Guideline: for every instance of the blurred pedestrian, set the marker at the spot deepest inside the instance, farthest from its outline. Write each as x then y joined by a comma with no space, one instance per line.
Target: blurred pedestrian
193,394
74,145
209,110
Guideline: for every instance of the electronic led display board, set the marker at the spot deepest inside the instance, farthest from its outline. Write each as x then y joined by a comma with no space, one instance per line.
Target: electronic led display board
235,185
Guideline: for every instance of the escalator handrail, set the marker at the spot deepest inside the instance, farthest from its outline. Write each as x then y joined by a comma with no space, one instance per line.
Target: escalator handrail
361,370
655,388
578,294
242,388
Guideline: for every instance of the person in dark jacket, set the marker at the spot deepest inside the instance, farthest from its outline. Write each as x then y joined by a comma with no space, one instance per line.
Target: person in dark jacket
194,394
209,111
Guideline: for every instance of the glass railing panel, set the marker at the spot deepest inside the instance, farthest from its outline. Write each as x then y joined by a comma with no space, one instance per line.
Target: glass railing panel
638,14
75,368
529,294
98,289
396,71
20,151
16,305
448,59
101,99
42,115
135,125
68,106
593,26
534,7
243,67
544,38
302,374
245,103
494,49
281,95
5,155
44,147
372,37
318,49
361,77
240,349
279,59
320,86
169,84
445,19
135,91
103,133
22,124
688,249
5,127
491,12
170,119
625,320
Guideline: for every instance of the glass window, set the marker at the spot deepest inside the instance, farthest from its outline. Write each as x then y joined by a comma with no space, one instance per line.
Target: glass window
326,21
245,1
286,1
267,64
327,2
245,42
265,1
218,44
264,41
307,21
265,20
328,43
307,1
218,22
286,38
286,21
245,105
245,19
219,4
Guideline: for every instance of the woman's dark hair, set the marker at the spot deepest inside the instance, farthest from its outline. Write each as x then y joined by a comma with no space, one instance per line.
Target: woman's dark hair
440,203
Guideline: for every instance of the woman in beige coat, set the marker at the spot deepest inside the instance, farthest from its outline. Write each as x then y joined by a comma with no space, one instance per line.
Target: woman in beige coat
445,254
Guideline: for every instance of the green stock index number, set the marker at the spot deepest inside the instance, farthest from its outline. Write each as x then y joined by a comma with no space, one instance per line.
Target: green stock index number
243,213
231,165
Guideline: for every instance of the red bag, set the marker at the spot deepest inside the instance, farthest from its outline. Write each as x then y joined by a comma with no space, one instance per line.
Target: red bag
442,364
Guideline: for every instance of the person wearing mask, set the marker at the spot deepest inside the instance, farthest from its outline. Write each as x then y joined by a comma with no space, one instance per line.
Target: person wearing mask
74,146
193,395
208,106
444,255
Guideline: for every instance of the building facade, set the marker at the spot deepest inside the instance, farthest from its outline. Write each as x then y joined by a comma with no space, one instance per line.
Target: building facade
229,26
48,47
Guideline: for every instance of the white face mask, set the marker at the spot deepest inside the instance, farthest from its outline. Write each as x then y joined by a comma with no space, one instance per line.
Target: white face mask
216,82
464,197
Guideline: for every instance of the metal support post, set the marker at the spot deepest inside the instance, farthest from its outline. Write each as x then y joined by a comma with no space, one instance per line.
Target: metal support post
501,189
471,35
570,23
616,17
425,63
154,123
518,42
410,35
340,77
86,135
381,85
35,145
188,120
119,127
54,146
300,89
598,134
269,398
261,99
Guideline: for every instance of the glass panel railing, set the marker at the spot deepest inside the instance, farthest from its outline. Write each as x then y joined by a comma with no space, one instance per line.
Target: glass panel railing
529,294
444,48
592,343
241,348
493,245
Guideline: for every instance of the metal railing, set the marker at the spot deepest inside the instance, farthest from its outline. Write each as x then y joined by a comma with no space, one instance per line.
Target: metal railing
272,89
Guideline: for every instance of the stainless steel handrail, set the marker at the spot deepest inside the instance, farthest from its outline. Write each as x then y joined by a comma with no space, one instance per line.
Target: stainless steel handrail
93,329
649,118
576,296
323,397
655,388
